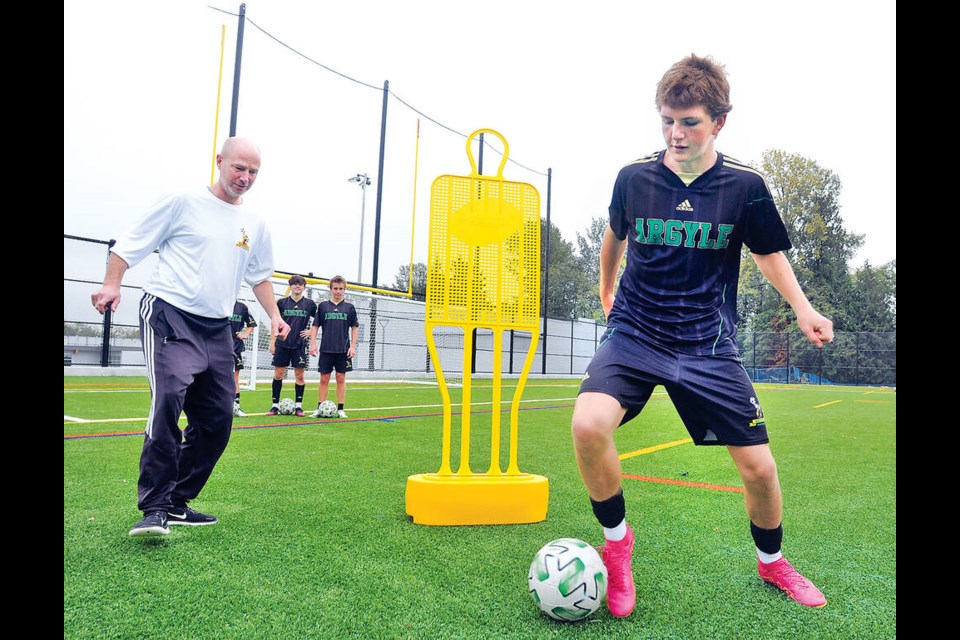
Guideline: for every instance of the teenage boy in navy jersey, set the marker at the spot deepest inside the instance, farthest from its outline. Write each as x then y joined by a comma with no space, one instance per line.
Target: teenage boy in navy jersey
339,325
297,311
682,215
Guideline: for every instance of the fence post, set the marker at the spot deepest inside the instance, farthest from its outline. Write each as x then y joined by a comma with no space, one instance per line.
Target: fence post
372,336
820,372
105,340
787,333
572,327
856,365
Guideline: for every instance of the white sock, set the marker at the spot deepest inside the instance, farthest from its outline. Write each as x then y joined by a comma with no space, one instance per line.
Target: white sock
617,533
767,558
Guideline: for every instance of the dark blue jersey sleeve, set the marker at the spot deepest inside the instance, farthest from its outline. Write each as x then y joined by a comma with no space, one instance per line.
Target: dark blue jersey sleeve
765,232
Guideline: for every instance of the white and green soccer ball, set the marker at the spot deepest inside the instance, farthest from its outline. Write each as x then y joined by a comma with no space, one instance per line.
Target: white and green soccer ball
568,579
287,406
328,409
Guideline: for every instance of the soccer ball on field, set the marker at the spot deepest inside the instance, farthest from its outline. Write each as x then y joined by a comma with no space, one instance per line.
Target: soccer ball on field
287,406
328,409
568,579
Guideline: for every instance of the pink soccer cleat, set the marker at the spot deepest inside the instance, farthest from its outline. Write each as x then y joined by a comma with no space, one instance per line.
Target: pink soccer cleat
782,575
621,592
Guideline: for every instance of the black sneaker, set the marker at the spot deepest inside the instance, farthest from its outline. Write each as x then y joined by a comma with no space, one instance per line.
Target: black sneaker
273,411
153,524
187,516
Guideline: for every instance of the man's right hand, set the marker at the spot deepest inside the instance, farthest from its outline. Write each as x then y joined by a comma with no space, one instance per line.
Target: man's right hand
106,297
280,328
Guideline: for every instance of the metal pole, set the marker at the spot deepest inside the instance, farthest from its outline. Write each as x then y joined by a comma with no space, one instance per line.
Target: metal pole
364,181
820,366
480,157
546,276
383,142
788,357
241,20
105,340
363,207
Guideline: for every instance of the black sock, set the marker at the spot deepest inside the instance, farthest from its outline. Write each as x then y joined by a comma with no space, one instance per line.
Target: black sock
299,391
612,511
340,407
277,388
236,398
767,540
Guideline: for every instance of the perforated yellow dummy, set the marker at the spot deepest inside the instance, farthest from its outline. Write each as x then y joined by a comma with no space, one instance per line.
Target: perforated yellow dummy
483,273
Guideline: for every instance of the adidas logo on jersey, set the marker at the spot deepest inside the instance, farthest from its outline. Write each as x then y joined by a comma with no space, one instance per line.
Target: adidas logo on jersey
684,206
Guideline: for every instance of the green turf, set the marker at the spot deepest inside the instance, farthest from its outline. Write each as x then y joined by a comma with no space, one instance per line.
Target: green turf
314,541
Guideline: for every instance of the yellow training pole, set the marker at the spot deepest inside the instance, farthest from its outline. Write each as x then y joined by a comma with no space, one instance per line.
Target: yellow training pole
216,118
464,469
495,469
413,224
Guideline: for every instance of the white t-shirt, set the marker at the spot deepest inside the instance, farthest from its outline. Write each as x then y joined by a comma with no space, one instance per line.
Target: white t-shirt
208,247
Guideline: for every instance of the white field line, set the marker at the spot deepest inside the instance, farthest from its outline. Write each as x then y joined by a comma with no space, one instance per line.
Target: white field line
352,409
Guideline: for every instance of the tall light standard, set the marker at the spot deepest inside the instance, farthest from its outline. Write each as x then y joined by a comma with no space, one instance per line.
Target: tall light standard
364,181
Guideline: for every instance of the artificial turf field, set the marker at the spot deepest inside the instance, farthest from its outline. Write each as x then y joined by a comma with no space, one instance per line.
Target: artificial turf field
314,542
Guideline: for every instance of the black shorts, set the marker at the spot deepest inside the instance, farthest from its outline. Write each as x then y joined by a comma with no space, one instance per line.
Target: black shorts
338,361
238,348
712,394
298,358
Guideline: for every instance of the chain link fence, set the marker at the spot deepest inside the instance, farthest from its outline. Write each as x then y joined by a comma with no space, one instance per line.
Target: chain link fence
392,340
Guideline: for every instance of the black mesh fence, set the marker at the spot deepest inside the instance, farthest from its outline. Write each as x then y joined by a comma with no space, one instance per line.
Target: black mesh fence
392,337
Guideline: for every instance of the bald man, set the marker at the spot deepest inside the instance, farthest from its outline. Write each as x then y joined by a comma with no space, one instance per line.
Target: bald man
209,242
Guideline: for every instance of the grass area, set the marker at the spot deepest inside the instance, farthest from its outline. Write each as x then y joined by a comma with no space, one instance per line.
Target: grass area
314,541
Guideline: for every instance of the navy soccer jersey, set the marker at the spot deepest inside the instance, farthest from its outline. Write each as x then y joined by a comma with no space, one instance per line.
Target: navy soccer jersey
297,314
335,321
679,288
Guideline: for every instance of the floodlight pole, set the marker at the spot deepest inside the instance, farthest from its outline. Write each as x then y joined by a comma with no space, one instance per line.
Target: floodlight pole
364,181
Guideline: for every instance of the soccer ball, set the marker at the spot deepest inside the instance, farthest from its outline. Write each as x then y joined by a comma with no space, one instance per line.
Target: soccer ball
568,580
328,409
287,406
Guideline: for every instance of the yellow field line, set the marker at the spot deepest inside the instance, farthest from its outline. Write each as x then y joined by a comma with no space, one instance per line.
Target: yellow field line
826,404
666,445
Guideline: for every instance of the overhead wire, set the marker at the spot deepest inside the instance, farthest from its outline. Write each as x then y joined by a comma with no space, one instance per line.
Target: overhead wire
372,86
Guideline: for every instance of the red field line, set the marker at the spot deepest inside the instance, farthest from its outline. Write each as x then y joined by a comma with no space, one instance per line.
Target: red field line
682,483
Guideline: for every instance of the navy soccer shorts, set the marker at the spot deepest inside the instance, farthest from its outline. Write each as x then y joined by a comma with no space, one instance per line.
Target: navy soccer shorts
238,348
331,361
297,358
712,394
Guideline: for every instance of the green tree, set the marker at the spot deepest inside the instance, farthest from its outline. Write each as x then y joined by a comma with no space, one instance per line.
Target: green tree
82,329
588,260
401,281
566,282
873,303
807,196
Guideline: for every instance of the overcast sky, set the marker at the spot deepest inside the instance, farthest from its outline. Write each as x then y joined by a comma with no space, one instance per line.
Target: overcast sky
569,85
